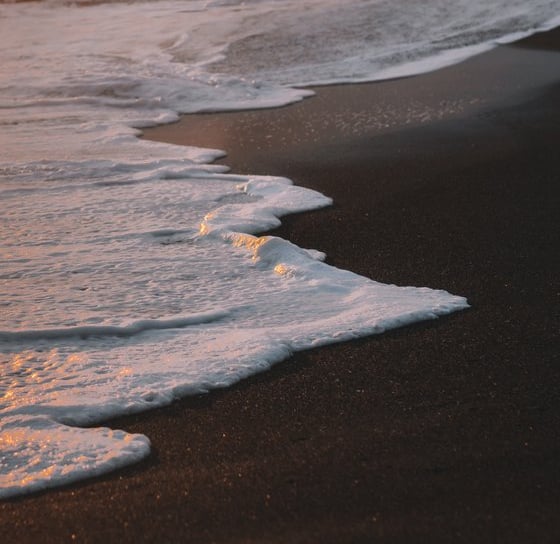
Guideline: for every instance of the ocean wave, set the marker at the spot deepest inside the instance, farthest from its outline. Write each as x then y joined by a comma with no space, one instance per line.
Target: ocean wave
124,331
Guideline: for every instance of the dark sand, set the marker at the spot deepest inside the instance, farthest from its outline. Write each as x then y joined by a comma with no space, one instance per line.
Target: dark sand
447,431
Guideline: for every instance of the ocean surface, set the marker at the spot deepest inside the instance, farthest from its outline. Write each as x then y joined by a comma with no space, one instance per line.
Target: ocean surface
132,273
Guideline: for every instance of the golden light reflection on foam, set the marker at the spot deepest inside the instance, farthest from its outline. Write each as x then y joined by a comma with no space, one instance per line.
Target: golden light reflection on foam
9,395
75,358
250,242
282,270
47,472
203,229
11,439
28,374
19,359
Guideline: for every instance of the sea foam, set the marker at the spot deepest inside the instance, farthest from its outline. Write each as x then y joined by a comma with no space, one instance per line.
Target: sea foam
133,272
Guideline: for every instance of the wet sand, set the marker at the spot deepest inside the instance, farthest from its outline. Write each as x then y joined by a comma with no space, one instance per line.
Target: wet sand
447,431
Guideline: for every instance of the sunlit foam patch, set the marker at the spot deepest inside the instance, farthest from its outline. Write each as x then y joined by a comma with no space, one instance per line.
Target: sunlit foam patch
37,453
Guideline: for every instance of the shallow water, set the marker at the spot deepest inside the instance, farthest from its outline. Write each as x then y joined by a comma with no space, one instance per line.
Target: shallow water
132,272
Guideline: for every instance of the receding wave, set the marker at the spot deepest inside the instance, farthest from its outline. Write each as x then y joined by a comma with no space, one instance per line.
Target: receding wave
93,216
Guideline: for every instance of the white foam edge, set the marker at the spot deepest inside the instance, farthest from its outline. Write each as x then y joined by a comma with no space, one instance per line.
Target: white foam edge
516,36
27,448
90,452
436,61
277,197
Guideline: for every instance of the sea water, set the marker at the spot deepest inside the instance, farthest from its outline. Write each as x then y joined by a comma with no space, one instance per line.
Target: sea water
132,273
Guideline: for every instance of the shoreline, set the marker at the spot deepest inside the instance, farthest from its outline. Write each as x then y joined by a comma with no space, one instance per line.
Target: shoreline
439,431
448,93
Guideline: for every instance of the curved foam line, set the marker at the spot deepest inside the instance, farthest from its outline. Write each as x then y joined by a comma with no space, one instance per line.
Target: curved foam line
125,331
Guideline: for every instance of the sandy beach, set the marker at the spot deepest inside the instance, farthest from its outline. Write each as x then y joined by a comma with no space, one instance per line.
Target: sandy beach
446,431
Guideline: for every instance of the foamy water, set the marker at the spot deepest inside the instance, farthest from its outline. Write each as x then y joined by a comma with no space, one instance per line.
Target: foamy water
132,272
